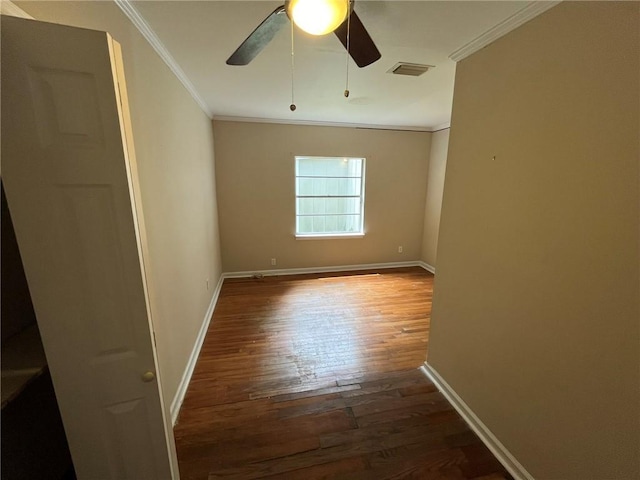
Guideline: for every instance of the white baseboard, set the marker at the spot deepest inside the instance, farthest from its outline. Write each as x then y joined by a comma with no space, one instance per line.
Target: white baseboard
336,268
503,455
195,353
427,267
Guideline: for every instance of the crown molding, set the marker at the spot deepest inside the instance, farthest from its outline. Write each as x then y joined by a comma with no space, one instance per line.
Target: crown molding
7,7
401,128
522,16
442,126
147,32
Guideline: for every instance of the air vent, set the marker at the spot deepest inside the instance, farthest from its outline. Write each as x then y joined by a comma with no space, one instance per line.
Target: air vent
411,69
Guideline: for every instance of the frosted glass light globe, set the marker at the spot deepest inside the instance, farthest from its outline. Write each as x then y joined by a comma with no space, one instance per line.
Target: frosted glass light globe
318,17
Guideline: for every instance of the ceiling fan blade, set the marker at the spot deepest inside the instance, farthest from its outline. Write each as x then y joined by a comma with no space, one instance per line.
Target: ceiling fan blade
259,38
361,47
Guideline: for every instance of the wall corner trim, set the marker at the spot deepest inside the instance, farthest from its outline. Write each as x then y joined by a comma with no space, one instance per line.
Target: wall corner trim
521,17
503,455
427,267
195,353
147,32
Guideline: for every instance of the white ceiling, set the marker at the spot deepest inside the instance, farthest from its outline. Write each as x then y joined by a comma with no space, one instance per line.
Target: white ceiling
201,35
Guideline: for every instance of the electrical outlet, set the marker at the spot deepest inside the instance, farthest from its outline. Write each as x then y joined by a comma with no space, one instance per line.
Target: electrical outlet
400,249
273,261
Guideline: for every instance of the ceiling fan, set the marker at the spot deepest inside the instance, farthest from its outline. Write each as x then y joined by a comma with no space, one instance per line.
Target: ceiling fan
340,19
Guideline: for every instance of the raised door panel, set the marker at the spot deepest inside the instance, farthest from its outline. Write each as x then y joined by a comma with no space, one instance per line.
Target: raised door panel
68,185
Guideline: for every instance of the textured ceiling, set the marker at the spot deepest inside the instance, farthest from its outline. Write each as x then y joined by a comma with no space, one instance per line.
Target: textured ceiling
201,35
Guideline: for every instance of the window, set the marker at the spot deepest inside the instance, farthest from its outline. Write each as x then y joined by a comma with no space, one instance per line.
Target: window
329,196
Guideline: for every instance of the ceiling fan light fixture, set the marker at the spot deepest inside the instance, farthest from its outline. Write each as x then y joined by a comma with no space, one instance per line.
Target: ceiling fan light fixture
318,17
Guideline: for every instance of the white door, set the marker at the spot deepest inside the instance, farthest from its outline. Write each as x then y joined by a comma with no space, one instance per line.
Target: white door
70,182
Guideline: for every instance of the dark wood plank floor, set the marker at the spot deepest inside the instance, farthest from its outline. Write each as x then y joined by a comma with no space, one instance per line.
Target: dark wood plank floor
316,377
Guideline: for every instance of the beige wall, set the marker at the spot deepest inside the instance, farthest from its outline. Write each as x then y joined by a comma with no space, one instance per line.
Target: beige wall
174,150
256,194
536,316
435,187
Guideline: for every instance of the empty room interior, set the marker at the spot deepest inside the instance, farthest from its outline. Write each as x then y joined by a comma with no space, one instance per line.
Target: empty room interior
404,246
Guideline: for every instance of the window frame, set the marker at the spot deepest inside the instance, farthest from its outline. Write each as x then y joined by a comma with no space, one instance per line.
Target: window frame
332,235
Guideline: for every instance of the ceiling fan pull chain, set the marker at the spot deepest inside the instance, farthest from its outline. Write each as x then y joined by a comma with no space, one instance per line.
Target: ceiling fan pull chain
292,107
346,91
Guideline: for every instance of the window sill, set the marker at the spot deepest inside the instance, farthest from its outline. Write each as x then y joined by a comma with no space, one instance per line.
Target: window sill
331,236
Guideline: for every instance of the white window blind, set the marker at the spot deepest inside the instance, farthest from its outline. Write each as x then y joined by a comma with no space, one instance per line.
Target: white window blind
329,196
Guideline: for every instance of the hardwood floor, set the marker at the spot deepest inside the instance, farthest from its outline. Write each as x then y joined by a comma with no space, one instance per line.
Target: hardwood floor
316,377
